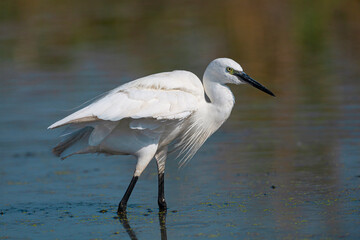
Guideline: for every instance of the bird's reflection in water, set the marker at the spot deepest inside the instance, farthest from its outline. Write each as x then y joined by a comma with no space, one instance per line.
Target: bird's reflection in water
162,221
125,222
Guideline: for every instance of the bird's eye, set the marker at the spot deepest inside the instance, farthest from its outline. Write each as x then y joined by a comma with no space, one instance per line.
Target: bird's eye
230,70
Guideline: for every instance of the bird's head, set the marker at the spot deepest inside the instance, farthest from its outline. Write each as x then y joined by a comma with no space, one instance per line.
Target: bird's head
226,70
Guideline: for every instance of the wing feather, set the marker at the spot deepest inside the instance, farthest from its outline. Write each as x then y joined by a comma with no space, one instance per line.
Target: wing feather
170,95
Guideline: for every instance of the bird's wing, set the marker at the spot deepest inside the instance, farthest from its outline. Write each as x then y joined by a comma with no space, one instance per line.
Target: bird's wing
162,96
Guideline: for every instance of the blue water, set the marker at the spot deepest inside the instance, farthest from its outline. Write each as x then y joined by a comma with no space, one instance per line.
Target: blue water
279,168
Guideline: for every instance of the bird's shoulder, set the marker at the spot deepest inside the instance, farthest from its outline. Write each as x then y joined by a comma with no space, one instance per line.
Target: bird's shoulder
178,80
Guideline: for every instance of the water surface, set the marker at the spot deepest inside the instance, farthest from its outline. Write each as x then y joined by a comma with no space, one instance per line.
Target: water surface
279,168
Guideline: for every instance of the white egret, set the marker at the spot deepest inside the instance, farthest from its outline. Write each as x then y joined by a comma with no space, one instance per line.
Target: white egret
142,117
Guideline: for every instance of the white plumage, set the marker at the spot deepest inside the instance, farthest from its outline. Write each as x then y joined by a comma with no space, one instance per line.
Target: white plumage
169,95
141,118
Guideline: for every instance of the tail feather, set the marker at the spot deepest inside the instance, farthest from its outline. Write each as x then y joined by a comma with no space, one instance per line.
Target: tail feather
72,139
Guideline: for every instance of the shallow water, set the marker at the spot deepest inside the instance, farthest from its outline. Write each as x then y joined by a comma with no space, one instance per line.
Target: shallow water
279,168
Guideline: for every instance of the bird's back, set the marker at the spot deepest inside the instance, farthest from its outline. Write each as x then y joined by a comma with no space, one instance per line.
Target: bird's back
179,80
168,95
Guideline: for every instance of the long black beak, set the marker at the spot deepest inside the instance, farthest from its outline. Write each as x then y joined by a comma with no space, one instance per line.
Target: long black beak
246,78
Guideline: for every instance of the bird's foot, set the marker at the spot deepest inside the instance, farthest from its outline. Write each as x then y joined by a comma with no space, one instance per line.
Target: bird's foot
122,208
162,205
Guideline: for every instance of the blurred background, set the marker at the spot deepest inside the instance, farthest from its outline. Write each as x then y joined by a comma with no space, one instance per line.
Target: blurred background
284,167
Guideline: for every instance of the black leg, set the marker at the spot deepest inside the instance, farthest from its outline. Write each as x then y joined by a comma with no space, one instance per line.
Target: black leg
161,195
124,200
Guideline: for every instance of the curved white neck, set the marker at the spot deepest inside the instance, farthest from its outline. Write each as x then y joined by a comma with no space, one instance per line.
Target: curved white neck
221,98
